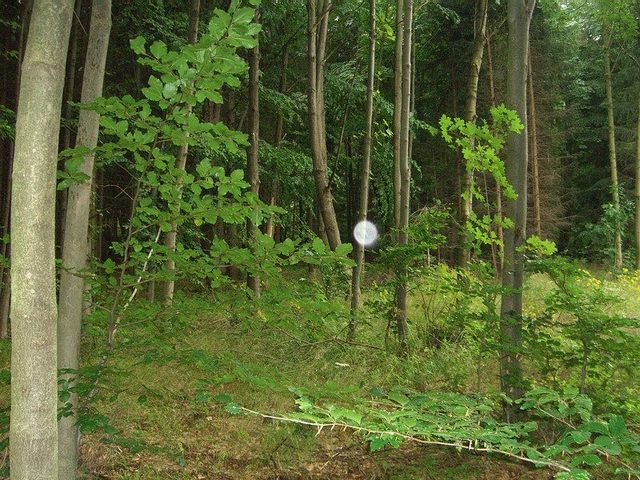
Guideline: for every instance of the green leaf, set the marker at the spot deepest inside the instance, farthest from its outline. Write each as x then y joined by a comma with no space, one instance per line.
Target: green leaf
233,408
137,45
318,246
344,249
158,49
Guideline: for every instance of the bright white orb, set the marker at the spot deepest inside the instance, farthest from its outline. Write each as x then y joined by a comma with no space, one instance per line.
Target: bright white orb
365,233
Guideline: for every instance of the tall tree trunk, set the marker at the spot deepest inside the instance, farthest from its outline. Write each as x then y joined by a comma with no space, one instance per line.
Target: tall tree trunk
365,172
613,162
637,190
405,174
6,278
253,172
397,114
279,135
533,130
34,376
69,96
516,156
76,232
492,93
470,115
167,288
318,20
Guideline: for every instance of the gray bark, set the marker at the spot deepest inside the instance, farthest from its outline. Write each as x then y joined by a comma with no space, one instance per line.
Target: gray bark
405,173
637,190
74,248
253,172
397,101
365,172
167,288
318,20
535,174
516,157
613,162
470,115
34,387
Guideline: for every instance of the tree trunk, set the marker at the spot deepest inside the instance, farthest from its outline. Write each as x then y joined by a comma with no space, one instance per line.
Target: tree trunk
279,135
405,174
612,150
637,190
365,172
167,288
516,156
76,231
253,172
34,376
533,130
318,20
470,115
492,93
397,114
69,96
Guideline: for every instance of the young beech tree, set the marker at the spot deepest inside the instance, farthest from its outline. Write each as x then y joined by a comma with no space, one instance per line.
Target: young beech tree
34,376
253,172
168,287
318,23
470,115
405,172
519,20
397,102
637,190
365,171
74,249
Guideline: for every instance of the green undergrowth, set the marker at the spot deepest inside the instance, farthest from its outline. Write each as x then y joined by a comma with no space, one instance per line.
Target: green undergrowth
162,403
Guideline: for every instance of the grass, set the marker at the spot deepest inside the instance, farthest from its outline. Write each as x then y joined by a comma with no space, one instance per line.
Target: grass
174,368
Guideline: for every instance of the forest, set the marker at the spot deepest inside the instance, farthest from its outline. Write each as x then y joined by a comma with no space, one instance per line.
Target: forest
320,239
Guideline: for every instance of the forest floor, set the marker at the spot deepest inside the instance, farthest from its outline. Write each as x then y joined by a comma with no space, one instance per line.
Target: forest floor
171,366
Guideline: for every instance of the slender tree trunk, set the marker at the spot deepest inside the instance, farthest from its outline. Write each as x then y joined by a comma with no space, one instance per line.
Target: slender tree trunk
397,114
499,213
533,130
318,20
470,115
637,190
519,19
612,150
365,172
69,96
167,288
253,172
34,379
76,232
405,174
6,290
279,135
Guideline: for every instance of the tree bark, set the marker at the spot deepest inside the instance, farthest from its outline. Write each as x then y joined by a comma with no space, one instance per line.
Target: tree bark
470,115
34,379
405,174
500,230
76,232
253,171
279,135
397,114
637,190
533,130
318,22
613,162
365,173
516,156
167,288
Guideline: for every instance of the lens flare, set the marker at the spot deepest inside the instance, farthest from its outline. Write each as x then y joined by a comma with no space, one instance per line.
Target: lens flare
365,233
